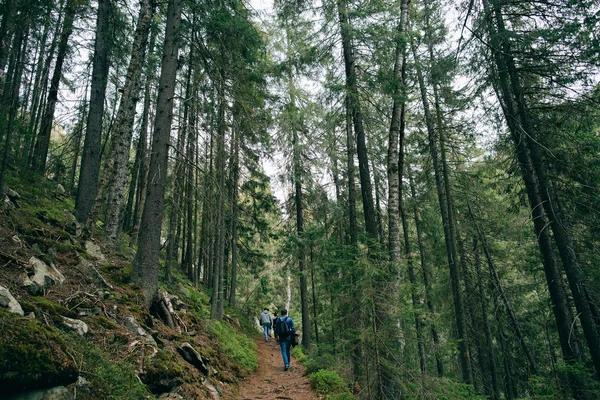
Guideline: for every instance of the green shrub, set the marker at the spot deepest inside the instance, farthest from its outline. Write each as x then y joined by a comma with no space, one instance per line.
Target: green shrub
240,348
300,355
327,382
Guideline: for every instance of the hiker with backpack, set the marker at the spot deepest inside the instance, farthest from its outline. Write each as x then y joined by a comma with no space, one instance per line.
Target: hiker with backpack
266,321
285,330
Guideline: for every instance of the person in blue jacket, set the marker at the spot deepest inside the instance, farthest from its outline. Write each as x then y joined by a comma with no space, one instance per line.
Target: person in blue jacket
285,329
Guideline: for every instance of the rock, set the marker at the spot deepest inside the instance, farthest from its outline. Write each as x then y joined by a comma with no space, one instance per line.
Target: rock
77,325
31,315
56,393
13,195
89,269
16,240
212,390
9,205
82,384
190,355
60,190
42,277
132,325
177,303
8,301
73,226
86,312
183,290
94,250
53,252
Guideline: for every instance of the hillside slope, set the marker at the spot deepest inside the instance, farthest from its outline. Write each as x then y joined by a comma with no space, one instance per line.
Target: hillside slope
70,322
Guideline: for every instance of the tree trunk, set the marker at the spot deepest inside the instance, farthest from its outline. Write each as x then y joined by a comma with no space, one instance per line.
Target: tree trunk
145,267
426,278
10,101
216,310
490,354
43,140
463,349
560,306
235,177
393,168
121,139
143,149
87,189
355,109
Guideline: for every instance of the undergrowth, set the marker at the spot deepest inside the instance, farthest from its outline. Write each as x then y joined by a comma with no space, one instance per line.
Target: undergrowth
239,347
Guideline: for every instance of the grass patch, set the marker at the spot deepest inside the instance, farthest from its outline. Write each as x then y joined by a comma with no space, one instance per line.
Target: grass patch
240,348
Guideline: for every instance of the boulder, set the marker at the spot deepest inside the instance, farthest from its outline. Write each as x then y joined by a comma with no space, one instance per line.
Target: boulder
77,325
190,355
41,277
9,205
8,301
212,390
183,290
60,190
177,303
56,393
94,250
72,225
13,195
132,325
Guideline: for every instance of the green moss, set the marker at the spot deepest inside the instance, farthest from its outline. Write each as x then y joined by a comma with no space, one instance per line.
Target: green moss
110,379
240,348
53,309
32,355
327,382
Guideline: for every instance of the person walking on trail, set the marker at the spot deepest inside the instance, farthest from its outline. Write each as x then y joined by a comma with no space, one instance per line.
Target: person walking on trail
285,329
266,321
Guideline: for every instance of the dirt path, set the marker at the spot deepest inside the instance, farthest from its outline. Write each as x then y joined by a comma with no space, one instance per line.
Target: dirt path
271,382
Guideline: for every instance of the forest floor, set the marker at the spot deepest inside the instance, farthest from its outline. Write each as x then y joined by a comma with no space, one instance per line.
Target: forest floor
271,382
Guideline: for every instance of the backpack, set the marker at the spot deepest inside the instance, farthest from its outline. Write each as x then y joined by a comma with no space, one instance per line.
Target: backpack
283,329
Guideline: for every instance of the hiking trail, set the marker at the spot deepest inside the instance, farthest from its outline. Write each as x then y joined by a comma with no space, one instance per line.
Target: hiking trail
271,382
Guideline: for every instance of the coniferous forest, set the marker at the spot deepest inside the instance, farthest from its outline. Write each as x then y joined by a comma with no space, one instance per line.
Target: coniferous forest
418,182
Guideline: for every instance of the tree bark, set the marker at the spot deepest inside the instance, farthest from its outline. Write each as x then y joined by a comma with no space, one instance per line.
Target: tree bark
357,117
145,267
121,138
87,188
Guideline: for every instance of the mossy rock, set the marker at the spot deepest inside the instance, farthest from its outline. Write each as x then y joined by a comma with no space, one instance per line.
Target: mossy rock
163,373
32,355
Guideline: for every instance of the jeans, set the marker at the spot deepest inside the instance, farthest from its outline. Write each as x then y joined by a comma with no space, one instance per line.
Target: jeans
267,328
285,351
